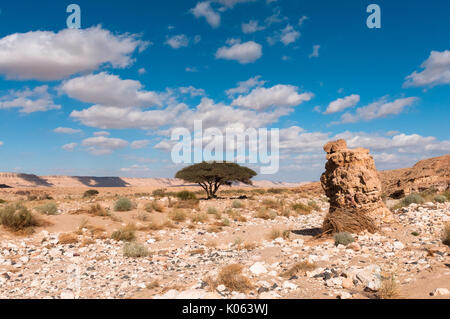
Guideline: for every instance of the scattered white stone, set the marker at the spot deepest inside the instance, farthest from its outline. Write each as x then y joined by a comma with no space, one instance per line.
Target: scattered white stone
440,292
258,268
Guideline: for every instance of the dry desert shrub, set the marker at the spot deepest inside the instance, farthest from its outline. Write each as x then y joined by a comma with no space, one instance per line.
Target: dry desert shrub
347,220
97,210
154,206
302,209
126,233
178,215
90,193
389,288
301,267
186,195
199,218
231,277
214,229
17,217
265,213
190,203
68,238
135,250
237,204
236,216
48,209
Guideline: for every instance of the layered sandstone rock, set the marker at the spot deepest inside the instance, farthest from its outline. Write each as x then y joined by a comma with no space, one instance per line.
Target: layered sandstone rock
351,183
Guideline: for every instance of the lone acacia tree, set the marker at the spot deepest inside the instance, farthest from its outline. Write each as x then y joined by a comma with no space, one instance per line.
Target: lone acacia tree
211,175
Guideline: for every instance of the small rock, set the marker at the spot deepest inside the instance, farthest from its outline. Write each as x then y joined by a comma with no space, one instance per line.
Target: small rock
258,268
440,292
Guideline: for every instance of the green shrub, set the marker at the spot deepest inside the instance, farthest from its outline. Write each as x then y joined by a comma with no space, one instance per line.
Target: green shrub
212,210
412,198
2,201
90,193
123,205
446,194
343,238
161,192
237,204
135,250
199,218
314,205
17,217
302,208
48,209
186,195
440,198
276,190
178,215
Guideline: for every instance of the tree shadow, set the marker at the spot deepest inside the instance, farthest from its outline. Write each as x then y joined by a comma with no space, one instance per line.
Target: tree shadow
5,186
36,180
308,232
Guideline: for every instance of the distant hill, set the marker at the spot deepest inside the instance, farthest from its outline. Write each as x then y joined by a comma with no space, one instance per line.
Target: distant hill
19,180
426,174
432,173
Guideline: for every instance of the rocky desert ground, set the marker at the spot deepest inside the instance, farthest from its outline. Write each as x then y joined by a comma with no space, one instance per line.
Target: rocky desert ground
261,243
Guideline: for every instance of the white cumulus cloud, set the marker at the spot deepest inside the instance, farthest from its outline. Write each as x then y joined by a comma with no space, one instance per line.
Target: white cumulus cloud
278,95
244,53
102,145
29,101
46,55
436,71
66,130
342,104
107,89
204,9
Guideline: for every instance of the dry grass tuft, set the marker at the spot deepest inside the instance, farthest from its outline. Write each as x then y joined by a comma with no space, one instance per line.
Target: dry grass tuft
126,233
68,238
231,277
135,250
301,267
389,288
178,215
346,220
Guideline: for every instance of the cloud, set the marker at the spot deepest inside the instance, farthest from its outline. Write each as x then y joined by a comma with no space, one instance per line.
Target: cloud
203,9
289,35
1,143
315,52
46,55
247,52
341,104
111,117
101,133
135,169
192,91
245,86
278,95
102,145
107,89
231,3
69,147
302,20
252,26
436,71
29,101
177,41
191,69
66,130
136,145
142,71
379,109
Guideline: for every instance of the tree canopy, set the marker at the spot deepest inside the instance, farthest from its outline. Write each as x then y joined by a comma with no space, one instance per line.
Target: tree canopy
211,175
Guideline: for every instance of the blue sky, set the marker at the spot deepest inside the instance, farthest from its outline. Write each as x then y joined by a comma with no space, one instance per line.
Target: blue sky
102,100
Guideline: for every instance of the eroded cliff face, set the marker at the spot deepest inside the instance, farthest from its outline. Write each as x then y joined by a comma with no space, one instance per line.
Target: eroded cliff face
351,183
